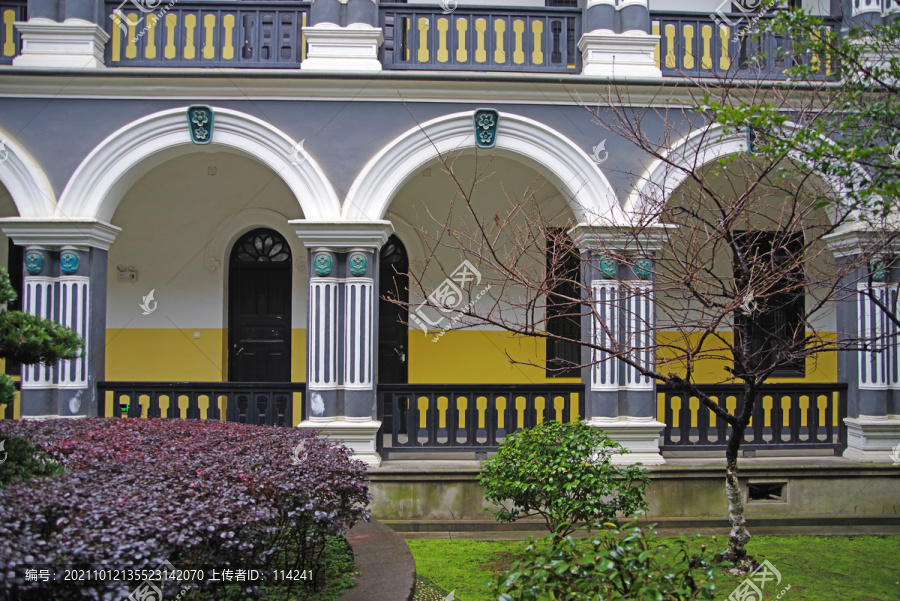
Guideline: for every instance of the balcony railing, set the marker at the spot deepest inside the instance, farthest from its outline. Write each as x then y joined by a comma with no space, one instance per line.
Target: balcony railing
472,39
10,45
785,416
694,45
470,417
261,403
207,34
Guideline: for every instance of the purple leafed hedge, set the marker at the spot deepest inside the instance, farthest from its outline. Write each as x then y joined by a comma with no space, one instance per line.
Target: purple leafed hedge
197,494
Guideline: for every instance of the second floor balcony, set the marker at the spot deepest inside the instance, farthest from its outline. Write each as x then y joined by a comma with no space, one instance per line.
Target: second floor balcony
228,34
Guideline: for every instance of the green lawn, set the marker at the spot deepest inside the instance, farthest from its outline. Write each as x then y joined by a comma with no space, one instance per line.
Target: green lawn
863,568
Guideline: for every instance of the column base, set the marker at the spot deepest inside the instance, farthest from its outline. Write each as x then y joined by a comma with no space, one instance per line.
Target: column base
873,439
360,437
72,44
619,55
639,436
341,49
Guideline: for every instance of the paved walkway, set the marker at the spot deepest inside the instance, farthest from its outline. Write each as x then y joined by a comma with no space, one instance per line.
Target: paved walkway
386,568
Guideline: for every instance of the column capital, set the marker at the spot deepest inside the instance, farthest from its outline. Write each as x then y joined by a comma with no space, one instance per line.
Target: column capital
620,238
56,233
859,239
343,235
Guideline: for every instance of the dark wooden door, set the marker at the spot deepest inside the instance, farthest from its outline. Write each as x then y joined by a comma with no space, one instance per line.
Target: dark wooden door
259,301
393,333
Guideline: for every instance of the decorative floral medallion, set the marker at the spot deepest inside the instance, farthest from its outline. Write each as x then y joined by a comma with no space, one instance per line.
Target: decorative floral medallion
358,263
322,264
642,268
34,262
200,122
877,269
68,262
608,268
486,122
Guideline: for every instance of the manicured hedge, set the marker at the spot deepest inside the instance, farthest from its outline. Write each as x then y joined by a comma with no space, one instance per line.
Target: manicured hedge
197,494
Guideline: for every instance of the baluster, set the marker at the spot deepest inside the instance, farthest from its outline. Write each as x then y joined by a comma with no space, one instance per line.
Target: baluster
688,32
190,23
556,33
537,54
193,408
480,50
462,55
228,46
669,419
442,26
171,22
519,32
248,27
500,31
9,44
423,40
706,35
725,41
777,419
150,37
287,36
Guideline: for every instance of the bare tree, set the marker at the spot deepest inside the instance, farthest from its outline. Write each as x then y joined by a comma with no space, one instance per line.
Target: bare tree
742,275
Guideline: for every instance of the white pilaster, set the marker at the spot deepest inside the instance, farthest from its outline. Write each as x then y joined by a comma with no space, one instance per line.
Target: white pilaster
40,298
639,332
619,55
640,436
359,311
605,326
342,49
72,44
323,333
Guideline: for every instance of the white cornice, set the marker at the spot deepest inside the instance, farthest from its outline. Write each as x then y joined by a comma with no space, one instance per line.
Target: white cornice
343,234
387,86
647,239
55,233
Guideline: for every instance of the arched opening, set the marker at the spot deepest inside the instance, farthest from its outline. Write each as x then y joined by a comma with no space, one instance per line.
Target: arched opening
259,308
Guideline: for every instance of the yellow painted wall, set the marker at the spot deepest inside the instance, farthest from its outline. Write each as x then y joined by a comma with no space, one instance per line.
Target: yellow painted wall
139,354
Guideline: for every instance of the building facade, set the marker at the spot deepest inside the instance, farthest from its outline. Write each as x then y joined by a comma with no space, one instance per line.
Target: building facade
216,192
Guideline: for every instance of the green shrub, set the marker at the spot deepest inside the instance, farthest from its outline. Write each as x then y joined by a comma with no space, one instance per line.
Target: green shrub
20,461
627,564
563,473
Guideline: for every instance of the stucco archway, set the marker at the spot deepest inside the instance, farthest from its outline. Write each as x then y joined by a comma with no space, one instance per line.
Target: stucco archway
103,178
588,192
25,180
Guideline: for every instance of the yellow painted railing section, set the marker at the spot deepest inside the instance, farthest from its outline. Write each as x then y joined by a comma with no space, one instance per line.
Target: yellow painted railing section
555,411
730,403
206,38
9,44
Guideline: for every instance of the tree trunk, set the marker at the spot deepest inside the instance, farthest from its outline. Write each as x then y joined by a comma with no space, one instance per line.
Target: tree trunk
737,539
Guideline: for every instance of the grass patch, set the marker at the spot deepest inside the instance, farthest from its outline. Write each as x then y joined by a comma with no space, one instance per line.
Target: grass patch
818,568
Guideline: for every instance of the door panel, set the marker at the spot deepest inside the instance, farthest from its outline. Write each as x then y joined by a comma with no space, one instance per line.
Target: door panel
259,329
393,332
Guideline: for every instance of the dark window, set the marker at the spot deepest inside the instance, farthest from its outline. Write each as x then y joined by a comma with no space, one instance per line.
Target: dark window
563,315
16,260
777,318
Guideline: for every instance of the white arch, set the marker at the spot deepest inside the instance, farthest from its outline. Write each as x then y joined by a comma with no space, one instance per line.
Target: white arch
104,177
231,228
590,194
694,151
25,180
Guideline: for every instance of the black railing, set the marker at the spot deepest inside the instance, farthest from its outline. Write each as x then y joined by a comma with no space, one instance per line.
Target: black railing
785,416
696,45
470,417
481,39
10,44
261,403
195,33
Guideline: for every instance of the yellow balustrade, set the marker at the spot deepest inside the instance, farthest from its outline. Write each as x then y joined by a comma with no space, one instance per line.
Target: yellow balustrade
688,46
9,46
462,25
519,31
150,36
171,22
670,46
423,40
537,28
706,35
209,26
500,30
442,26
655,30
480,51
228,48
725,36
190,23
131,48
